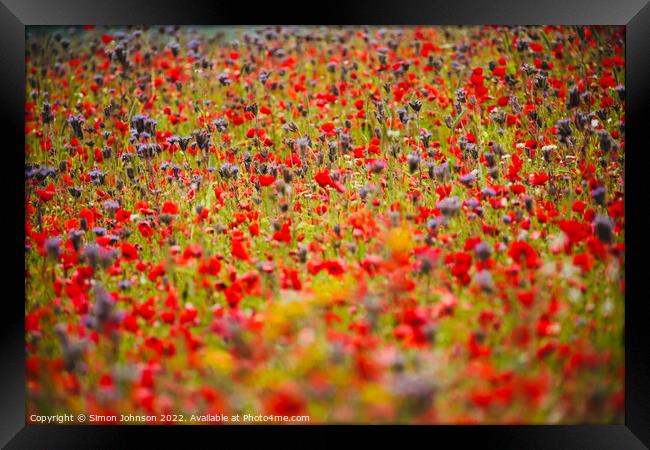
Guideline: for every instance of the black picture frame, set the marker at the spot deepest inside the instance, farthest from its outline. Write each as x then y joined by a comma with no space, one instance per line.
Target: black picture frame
634,14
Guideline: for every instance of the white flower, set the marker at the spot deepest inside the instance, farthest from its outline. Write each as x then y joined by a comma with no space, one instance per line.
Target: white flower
607,308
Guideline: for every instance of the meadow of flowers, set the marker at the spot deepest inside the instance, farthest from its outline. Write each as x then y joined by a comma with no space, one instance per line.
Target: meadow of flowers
361,225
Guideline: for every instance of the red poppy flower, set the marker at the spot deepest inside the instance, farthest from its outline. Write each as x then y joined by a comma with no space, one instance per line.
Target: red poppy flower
122,216
539,179
170,208
211,267
327,127
284,235
522,250
145,229
47,193
129,252
238,249
322,177
266,180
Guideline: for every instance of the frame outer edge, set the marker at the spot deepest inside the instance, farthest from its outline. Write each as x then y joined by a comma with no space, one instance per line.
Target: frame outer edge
637,365
12,79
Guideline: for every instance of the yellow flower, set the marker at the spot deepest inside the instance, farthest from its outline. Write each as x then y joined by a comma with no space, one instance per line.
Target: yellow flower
310,358
265,377
283,315
329,290
399,241
218,359
374,393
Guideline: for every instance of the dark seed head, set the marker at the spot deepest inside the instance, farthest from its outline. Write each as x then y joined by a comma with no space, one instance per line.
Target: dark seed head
52,247
604,226
598,195
483,251
413,162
